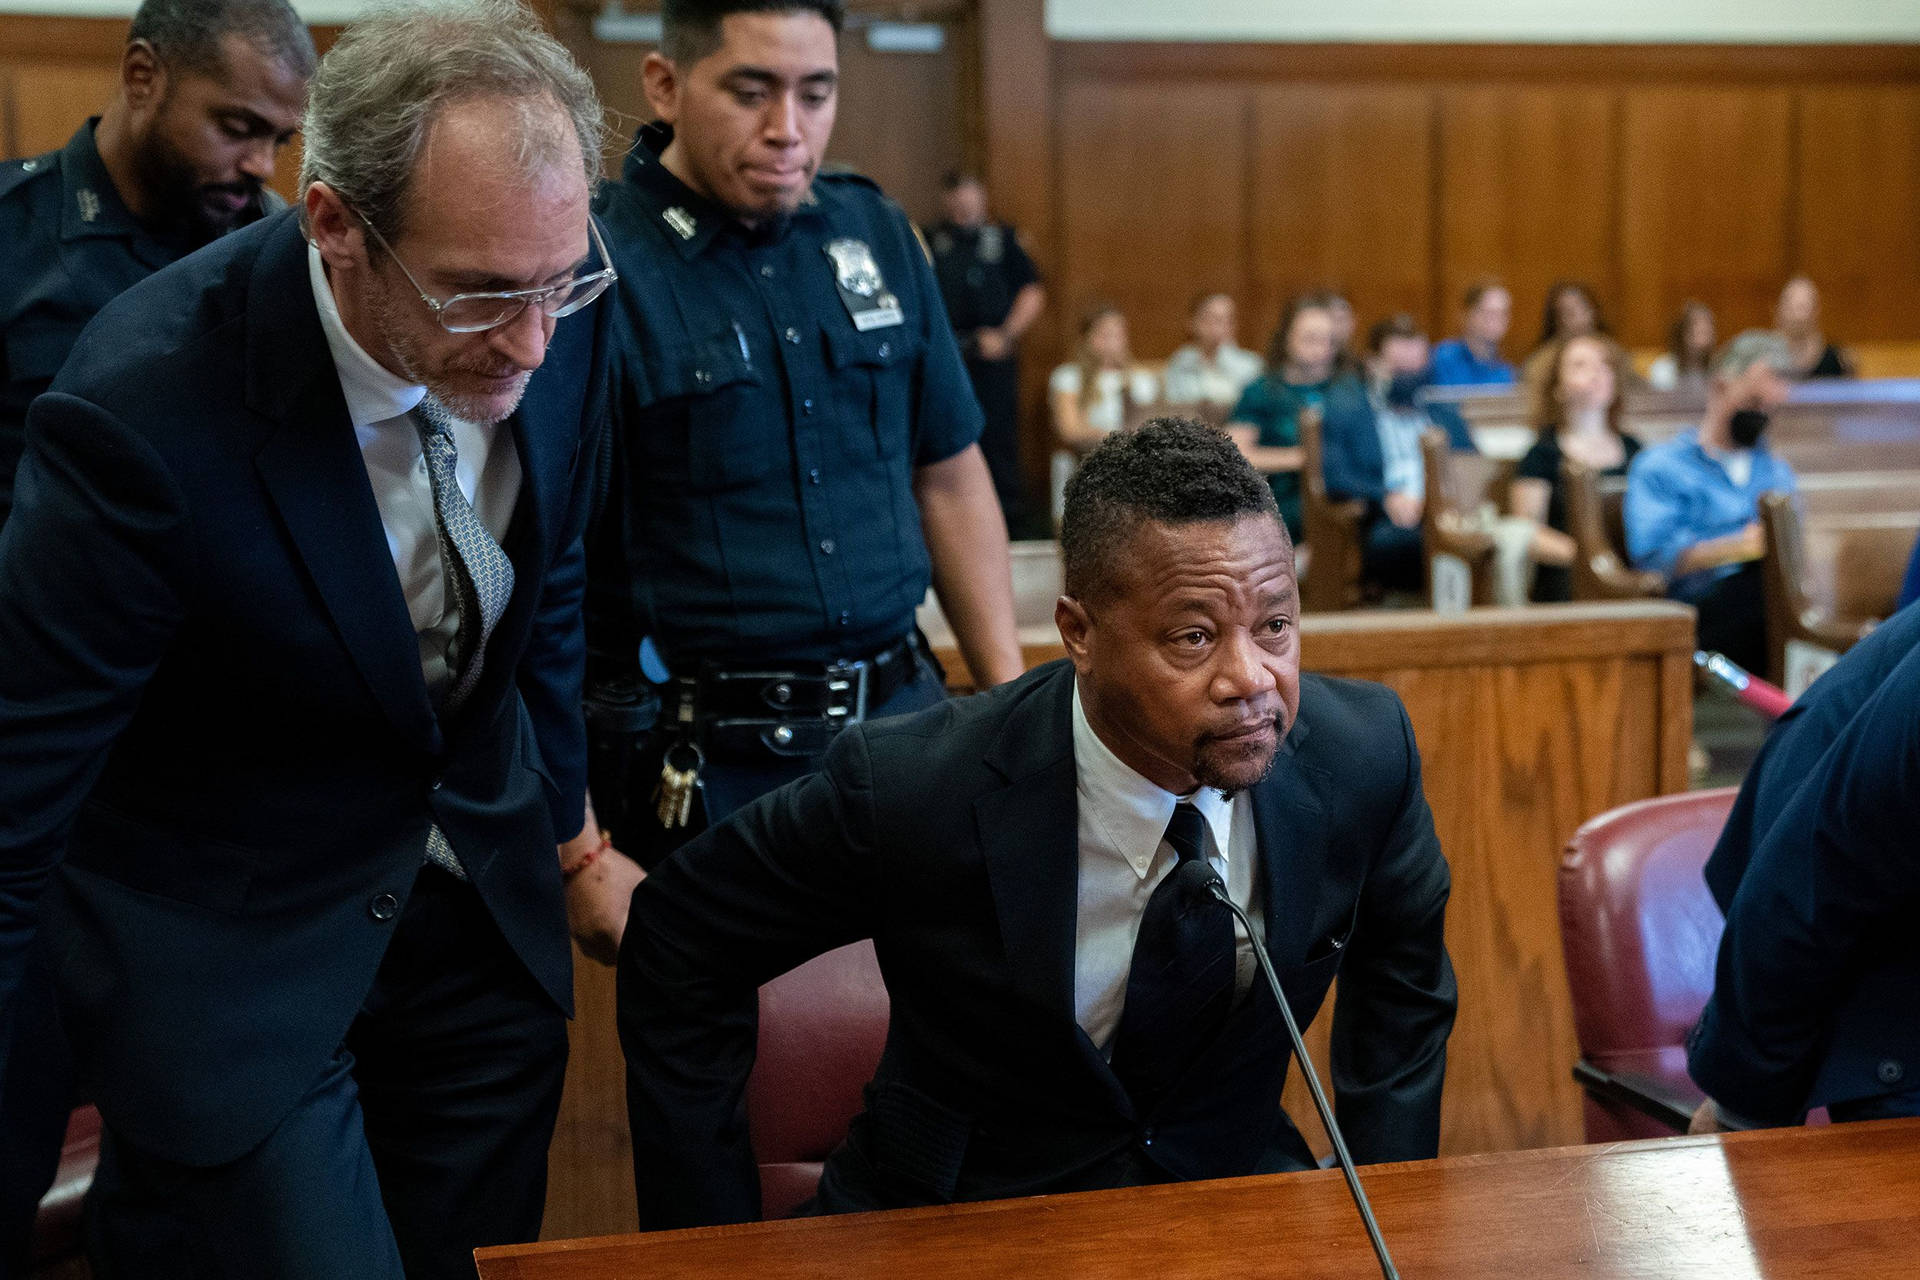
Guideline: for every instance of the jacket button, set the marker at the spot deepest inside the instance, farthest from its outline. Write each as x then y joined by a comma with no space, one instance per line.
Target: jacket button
384,907
1891,1072
1146,1136
886,350
439,783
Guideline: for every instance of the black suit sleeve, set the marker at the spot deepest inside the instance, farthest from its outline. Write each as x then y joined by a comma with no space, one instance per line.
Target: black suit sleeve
787,878
1831,880
89,567
1397,995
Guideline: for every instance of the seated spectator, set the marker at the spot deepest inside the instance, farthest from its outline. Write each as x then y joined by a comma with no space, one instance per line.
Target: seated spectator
1692,508
1372,451
1577,413
1345,323
1300,374
1094,394
1212,369
1473,358
1797,319
1684,365
1816,998
1571,311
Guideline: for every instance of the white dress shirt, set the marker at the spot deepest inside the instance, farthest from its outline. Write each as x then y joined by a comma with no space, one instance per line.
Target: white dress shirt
1124,855
379,402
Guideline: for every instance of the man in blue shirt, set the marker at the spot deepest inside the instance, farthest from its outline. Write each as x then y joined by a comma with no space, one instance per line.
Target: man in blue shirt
1473,358
1692,508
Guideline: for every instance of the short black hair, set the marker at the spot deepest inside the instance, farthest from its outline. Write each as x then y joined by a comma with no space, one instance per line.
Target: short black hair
690,29
186,34
1171,470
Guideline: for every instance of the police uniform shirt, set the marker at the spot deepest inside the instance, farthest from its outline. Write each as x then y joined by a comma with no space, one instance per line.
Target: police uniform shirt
981,271
776,389
68,246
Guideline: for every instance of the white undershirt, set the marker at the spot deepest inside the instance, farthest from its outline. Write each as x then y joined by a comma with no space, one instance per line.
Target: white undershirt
1124,855
379,402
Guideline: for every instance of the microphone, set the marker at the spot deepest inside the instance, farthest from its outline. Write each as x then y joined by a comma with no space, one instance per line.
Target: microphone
1197,878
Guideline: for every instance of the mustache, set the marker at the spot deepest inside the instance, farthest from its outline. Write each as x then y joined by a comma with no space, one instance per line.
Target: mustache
1275,718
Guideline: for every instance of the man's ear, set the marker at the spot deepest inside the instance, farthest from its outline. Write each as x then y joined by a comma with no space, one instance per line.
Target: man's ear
660,77
143,78
334,229
1075,625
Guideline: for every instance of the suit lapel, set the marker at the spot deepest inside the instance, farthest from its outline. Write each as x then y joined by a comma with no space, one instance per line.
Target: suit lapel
1030,838
1290,826
310,464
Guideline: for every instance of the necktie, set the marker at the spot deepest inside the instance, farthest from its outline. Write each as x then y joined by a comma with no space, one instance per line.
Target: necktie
479,574
1180,986
479,579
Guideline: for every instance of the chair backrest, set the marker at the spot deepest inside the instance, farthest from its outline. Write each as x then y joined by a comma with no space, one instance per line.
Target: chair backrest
1458,485
1783,573
1596,521
1638,926
823,1027
1332,529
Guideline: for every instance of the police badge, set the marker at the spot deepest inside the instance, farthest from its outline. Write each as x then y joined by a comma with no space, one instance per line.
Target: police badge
862,289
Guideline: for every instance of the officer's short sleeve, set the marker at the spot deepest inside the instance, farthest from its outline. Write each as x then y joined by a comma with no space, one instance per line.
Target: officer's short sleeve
947,415
1020,269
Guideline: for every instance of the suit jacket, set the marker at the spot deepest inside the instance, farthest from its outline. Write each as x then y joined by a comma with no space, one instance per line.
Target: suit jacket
212,698
951,838
1350,436
1817,987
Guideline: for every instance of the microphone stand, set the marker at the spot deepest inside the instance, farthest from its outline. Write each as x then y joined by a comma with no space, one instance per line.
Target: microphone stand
1219,892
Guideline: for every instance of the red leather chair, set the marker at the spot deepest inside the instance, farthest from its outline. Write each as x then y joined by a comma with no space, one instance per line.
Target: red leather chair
1640,932
57,1245
822,1029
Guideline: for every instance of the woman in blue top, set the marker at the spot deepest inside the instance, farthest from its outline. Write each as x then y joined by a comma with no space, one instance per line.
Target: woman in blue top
1300,371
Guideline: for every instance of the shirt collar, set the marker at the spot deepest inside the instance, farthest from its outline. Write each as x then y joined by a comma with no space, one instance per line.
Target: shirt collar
373,392
1130,812
90,203
691,221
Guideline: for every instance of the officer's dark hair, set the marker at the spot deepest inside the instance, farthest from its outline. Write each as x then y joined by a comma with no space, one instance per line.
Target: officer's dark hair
1171,470
690,29
185,35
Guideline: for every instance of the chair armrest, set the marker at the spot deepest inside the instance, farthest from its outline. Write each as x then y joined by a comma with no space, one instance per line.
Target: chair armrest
1617,582
1836,633
1651,1092
1475,546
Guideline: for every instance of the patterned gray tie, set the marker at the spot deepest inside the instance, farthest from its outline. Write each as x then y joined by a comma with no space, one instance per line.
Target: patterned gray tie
479,578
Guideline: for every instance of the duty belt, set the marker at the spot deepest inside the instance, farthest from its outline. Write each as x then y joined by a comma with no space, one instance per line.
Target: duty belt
792,709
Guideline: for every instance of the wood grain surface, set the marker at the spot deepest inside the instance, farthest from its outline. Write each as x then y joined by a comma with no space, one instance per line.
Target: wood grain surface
1827,1202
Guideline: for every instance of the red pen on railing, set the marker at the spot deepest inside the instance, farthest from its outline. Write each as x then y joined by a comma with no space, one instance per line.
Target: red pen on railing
1770,700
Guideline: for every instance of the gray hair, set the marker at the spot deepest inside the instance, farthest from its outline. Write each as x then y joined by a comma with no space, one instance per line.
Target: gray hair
380,88
1751,347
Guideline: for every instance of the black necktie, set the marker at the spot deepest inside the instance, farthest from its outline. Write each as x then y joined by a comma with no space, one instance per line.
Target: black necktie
1180,986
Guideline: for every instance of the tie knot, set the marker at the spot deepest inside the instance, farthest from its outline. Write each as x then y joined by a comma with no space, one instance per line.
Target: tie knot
434,418
1186,831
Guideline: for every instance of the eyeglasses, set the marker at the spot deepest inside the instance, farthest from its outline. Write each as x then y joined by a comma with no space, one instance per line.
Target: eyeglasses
478,312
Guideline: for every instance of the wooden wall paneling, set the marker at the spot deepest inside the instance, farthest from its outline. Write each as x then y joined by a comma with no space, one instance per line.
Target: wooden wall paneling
1858,205
1526,181
1340,179
1704,197
50,99
1152,176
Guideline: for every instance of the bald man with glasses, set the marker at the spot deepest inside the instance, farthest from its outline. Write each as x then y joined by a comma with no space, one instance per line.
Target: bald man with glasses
290,604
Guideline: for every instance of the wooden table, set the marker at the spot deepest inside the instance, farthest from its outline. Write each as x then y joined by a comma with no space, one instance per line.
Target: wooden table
1842,1201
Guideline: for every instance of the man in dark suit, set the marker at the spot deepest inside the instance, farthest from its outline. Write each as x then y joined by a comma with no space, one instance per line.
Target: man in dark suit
1817,990
290,603
1058,1022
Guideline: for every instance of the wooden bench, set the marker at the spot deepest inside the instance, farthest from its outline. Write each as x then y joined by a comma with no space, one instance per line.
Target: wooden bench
1827,582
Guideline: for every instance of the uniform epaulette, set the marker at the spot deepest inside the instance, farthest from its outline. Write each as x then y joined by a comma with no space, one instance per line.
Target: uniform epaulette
14,173
839,173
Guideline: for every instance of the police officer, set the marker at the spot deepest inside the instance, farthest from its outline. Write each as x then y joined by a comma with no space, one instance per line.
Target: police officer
993,296
209,91
793,446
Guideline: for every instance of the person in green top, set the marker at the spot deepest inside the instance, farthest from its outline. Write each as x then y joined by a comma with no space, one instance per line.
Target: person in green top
1301,373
